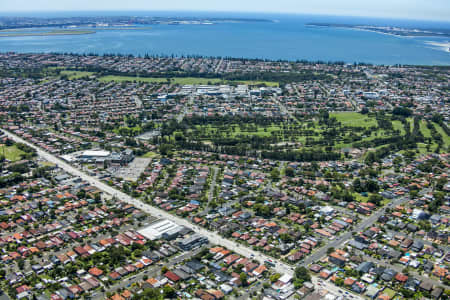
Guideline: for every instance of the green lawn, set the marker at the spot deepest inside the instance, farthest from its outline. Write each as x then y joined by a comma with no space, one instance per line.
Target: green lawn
261,131
11,153
360,198
398,126
182,80
76,74
150,154
253,82
235,130
424,129
391,293
46,164
125,130
354,119
445,137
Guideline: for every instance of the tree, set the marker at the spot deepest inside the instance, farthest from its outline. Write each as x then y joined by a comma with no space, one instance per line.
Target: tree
275,174
165,149
407,293
372,186
20,263
289,172
302,273
357,186
339,281
164,269
169,292
375,199
371,157
402,111
243,278
286,237
330,250
152,294
275,277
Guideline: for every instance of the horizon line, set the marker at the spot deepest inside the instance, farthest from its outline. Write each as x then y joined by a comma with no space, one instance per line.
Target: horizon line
230,11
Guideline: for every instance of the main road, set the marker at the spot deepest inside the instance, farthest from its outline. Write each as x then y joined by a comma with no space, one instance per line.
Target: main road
213,237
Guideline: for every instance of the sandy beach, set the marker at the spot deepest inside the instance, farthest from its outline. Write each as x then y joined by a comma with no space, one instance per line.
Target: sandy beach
444,46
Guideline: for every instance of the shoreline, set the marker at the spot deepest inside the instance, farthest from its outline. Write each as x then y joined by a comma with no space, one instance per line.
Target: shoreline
445,46
377,31
51,33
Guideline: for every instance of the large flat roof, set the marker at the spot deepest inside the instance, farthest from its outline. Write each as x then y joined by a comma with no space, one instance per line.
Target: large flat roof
157,229
99,153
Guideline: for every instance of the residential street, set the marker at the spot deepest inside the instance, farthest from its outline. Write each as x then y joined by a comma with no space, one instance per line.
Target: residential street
366,222
213,237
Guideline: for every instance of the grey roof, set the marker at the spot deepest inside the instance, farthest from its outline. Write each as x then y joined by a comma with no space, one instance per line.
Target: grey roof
357,245
365,266
195,265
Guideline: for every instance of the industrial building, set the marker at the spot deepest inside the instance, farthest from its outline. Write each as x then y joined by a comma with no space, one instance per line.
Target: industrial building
161,229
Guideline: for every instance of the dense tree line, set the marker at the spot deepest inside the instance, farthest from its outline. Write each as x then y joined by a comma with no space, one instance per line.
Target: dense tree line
11,179
302,156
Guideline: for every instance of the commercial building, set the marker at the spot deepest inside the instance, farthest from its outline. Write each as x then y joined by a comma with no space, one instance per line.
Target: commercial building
195,240
157,230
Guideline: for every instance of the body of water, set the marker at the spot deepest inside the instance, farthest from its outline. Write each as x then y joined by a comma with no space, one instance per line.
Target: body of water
287,37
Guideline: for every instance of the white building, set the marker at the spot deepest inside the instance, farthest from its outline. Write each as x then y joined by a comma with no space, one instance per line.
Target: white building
156,230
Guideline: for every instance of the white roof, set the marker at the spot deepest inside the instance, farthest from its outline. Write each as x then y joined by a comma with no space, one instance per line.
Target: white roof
156,230
68,157
226,288
286,278
326,209
101,153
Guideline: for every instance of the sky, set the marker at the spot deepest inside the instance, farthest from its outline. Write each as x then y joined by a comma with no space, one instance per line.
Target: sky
403,9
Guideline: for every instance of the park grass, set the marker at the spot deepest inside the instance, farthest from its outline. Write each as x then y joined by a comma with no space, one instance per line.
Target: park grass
46,164
360,198
374,134
182,80
207,133
424,129
398,126
261,131
150,154
235,130
255,82
11,153
354,119
134,130
76,74
445,137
